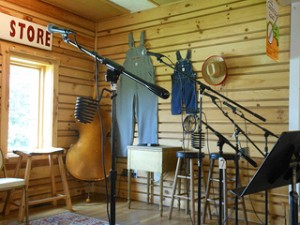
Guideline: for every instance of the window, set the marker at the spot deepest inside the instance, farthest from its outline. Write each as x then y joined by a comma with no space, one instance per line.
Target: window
31,85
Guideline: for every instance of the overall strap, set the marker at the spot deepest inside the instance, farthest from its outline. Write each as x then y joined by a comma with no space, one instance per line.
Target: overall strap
142,39
130,40
178,55
188,54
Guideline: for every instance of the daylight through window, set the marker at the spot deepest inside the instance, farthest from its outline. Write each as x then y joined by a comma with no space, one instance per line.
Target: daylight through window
30,101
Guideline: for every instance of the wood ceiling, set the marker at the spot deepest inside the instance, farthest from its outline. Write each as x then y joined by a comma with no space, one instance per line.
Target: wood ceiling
97,10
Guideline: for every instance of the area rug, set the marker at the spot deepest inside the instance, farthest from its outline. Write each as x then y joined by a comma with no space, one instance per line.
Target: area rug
68,218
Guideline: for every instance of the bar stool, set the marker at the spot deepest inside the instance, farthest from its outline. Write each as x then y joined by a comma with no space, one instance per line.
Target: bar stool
188,158
215,157
29,155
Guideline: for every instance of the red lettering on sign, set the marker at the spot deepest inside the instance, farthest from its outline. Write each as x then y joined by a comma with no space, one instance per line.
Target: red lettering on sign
30,33
12,32
40,34
24,32
22,26
48,37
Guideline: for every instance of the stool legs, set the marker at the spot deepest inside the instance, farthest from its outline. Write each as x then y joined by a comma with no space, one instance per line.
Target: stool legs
24,207
52,176
24,204
207,192
189,188
64,182
174,186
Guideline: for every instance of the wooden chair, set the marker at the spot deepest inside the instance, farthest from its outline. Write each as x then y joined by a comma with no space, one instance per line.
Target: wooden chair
9,183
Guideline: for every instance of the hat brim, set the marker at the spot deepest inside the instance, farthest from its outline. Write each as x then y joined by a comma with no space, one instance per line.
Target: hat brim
214,70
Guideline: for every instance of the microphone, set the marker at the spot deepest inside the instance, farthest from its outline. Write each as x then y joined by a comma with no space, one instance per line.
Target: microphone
251,161
85,109
159,91
157,55
234,109
55,29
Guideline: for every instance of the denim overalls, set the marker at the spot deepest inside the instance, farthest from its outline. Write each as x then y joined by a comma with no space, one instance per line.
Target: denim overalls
135,102
183,89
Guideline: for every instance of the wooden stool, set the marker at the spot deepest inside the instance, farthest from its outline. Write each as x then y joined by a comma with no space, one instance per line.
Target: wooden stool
28,155
215,157
188,174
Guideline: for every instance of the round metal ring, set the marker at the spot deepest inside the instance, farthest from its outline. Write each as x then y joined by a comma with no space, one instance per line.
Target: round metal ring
190,123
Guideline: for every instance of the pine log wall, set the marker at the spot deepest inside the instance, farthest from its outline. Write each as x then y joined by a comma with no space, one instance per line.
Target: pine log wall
234,29
76,72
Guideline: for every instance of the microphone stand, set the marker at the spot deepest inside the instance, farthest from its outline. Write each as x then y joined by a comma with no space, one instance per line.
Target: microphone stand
222,140
116,70
202,88
199,159
237,172
267,133
236,133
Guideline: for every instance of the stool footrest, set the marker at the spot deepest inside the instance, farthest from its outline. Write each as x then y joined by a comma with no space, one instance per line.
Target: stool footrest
187,177
218,180
50,199
182,196
229,199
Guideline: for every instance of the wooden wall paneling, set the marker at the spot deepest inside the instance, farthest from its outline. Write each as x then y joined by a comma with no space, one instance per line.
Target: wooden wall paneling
163,14
1,75
76,71
233,29
49,11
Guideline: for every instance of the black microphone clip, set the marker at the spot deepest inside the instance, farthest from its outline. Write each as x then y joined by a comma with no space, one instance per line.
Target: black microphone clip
157,55
233,108
213,98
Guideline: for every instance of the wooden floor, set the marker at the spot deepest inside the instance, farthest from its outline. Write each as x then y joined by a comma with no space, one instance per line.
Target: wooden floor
140,213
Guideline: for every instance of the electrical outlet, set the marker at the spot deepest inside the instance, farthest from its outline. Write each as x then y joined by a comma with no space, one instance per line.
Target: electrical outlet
133,173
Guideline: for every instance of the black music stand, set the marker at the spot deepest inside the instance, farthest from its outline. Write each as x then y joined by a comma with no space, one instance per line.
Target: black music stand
280,168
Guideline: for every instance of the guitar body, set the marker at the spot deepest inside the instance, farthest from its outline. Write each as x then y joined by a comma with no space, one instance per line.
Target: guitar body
84,159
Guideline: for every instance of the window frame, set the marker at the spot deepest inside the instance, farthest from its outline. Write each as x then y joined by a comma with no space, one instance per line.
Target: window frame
51,64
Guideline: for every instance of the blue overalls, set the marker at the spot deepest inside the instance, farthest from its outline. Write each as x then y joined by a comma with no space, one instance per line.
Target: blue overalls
183,89
135,102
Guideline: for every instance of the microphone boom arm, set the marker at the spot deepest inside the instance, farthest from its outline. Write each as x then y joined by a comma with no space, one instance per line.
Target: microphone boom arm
251,161
238,127
267,132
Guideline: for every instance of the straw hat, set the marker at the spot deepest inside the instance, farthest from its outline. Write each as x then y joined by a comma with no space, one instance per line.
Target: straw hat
214,70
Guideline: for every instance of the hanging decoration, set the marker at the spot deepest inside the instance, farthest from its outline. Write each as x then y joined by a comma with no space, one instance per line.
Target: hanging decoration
272,34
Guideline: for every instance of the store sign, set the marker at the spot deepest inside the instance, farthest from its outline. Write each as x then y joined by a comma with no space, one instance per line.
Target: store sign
272,34
24,32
